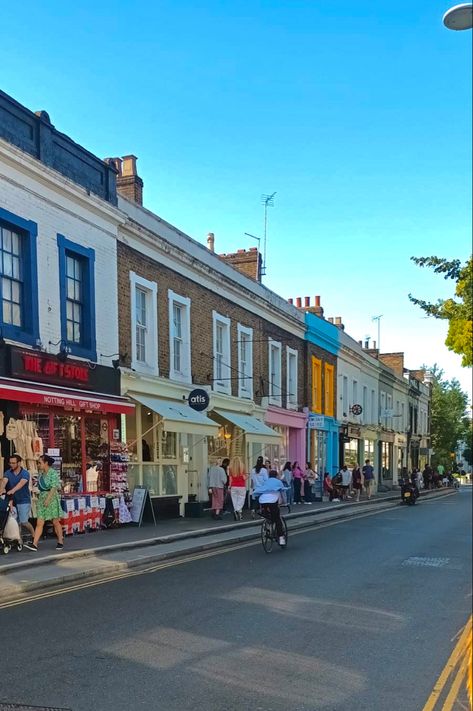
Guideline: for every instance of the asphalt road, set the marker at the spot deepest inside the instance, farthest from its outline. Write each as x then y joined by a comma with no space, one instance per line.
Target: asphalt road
357,616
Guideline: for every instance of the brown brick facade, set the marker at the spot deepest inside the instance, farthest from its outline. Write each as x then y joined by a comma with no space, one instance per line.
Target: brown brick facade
203,302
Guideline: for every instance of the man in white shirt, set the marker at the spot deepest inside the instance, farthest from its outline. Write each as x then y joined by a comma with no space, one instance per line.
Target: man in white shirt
346,481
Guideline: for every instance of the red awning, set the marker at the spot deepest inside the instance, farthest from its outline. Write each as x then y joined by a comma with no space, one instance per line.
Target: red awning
35,394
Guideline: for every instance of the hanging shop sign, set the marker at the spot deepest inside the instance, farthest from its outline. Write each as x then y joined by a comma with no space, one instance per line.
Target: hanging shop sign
356,409
199,399
316,422
42,367
354,432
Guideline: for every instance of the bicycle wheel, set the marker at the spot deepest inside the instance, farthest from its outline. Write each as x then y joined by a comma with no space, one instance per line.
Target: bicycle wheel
267,536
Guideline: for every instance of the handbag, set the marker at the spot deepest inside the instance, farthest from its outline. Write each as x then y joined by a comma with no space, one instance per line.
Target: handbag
42,484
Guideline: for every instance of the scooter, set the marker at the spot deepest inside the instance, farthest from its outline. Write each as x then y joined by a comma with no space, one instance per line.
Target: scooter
409,493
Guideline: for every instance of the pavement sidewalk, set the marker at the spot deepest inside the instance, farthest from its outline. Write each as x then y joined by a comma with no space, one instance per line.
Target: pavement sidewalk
108,554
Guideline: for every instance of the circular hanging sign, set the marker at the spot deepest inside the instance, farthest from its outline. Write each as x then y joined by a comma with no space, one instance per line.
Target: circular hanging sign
199,399
357,409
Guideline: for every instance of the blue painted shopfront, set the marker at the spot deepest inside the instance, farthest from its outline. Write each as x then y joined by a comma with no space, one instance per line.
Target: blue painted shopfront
323,429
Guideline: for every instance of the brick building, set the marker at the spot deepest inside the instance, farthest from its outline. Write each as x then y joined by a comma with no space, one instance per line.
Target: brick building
189,318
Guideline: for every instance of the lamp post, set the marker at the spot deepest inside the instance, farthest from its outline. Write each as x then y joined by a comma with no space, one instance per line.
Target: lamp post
459,17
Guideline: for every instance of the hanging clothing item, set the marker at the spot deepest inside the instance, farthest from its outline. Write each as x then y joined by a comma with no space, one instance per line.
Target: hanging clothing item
2,423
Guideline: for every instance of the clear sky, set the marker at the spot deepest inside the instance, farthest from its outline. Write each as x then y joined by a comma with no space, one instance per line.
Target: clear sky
357,114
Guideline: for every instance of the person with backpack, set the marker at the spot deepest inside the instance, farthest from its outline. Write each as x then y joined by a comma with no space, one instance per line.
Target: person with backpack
368,477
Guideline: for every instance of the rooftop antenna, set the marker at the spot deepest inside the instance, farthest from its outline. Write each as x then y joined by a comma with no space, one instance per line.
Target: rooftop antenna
378,319
268,201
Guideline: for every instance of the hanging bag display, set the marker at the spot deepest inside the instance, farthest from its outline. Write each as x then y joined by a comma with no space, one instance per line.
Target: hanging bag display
11,431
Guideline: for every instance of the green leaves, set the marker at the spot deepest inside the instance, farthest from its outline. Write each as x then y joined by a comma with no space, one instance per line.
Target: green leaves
459,311
449,422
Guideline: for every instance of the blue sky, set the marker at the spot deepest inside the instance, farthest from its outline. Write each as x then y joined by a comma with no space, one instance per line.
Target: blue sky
357,114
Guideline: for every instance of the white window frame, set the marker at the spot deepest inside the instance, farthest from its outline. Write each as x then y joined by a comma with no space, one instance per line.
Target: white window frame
275,399
150,366
185,373
225,384
292,398
245,385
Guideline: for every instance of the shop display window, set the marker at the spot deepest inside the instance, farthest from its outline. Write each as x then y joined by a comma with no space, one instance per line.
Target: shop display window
350,453
386,457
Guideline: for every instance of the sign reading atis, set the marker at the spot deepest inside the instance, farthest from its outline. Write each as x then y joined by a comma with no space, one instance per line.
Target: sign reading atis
46,368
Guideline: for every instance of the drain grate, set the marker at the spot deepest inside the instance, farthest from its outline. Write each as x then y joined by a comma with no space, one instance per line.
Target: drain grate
419,562
22,707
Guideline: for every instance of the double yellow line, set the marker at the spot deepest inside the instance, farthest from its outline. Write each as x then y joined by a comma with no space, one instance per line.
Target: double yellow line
460,661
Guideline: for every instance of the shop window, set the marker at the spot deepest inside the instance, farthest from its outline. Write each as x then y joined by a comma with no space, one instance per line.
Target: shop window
386,458
179,338
221,354
316,385
245,361
351,453
274,364
18,279
369,450
329,389
144,324
291,385
77,289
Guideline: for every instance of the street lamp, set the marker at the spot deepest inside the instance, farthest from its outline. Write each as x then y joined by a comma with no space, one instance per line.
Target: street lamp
459,17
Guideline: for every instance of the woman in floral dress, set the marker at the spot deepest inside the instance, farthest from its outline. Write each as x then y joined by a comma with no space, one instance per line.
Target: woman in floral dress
49,503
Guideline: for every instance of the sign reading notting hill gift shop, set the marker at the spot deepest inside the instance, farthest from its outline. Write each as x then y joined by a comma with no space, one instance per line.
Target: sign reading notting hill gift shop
47,368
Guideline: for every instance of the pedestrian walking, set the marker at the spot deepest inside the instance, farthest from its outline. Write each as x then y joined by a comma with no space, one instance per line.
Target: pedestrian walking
217,482
297,479
356,481
427,476
287,478
49,503
368,477
16,483
309,481
227,499
259,474
237,486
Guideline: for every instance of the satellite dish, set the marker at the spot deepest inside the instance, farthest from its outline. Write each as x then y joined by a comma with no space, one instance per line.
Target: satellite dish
459,17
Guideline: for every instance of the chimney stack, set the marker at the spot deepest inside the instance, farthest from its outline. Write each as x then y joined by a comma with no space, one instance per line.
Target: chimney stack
129,183
299,302
330,319
367,342
211,242
306,302
338,323
290,301
374,345
246,261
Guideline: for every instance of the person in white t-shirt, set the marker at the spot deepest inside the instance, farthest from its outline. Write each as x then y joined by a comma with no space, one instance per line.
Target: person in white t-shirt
346,481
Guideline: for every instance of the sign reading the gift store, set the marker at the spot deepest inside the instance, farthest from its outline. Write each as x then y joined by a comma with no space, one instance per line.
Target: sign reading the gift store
42,367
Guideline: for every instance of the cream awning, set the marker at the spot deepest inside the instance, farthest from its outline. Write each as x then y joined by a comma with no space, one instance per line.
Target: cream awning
254,429
177,417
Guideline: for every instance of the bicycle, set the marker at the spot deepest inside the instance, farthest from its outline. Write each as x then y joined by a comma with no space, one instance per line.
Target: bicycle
269,534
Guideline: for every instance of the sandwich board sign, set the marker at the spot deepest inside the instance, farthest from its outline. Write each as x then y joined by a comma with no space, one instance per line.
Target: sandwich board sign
140,505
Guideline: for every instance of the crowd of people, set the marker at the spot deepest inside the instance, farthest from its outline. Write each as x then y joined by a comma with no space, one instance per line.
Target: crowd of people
228,485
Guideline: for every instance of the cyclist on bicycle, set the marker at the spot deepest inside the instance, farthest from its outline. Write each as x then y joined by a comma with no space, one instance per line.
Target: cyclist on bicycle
269,493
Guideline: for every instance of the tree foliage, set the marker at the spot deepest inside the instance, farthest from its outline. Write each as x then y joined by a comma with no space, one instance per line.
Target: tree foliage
449,422
457,311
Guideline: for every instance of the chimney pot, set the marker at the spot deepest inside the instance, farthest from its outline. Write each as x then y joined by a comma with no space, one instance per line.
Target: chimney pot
211,241
129,183
298,302
374,345
330,319
360,343
367,343
317,300
290,301
338,320
307,301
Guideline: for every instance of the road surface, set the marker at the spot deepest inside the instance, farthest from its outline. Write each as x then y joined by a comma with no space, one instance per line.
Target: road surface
357,616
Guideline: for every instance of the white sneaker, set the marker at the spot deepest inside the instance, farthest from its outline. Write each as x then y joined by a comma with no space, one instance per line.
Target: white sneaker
307,503
335,500
282,541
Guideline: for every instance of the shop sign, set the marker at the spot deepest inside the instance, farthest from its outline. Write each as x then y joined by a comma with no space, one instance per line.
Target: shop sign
42,367
354,432
316,422
199,399
400,440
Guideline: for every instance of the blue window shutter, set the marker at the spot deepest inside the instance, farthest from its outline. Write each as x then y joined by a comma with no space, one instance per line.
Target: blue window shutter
28,333
88,348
